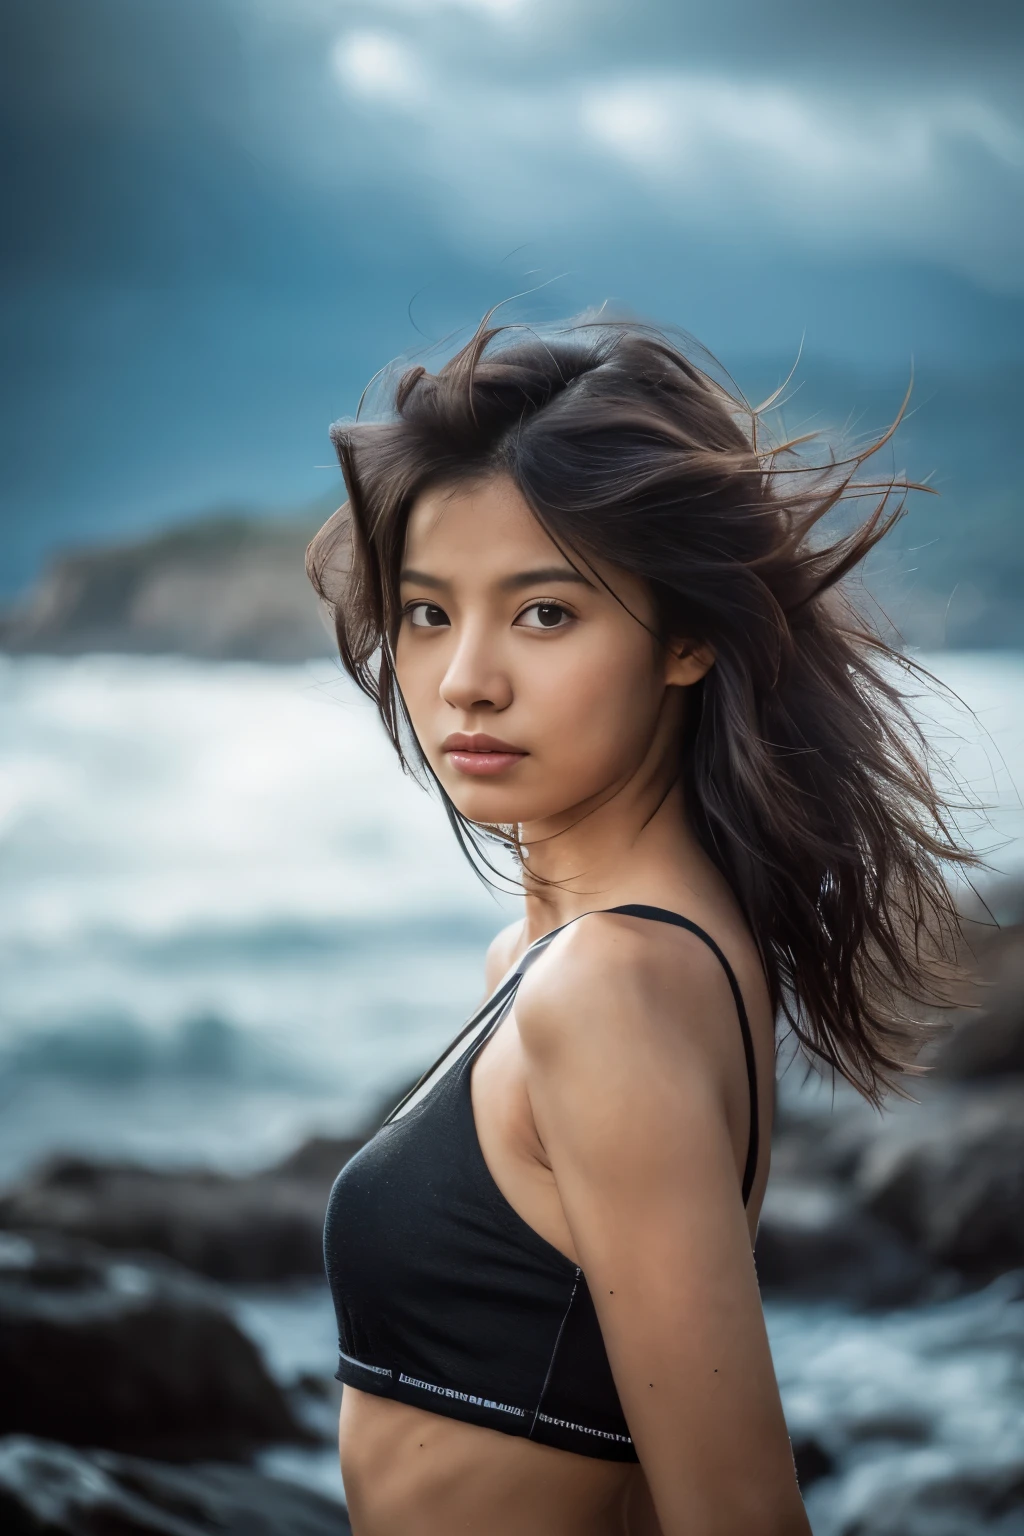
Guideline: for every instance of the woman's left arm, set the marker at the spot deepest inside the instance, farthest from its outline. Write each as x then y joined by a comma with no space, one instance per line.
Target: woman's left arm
626,1072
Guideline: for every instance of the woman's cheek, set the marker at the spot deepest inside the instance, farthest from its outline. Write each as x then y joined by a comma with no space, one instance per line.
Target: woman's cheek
595,710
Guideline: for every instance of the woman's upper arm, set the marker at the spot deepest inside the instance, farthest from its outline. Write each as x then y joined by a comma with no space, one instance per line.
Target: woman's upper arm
628,1096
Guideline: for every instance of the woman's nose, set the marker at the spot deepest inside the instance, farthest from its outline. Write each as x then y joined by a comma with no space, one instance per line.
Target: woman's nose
474,678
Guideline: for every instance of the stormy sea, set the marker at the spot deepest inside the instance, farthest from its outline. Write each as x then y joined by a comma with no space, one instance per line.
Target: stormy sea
229,924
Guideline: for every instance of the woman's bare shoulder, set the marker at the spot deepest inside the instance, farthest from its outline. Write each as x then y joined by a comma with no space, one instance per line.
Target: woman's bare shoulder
610,971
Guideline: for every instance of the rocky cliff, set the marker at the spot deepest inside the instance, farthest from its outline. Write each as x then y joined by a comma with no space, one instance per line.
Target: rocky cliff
233,587
224,587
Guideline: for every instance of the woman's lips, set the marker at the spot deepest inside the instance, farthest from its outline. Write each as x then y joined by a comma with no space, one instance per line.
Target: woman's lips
480,755
480,764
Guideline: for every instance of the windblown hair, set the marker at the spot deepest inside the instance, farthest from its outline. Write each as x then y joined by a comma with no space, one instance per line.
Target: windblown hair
806,777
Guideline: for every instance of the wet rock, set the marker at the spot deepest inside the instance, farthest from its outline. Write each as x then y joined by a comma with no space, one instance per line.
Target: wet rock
50,1490
949,1178
100,1350
813,1243
988,1040
811,1460
262,1228
826,1153
318,1160
266,1226
899,1424
824,1144
935,1500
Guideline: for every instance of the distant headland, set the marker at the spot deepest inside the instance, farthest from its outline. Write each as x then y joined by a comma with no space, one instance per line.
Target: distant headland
232,586
229,586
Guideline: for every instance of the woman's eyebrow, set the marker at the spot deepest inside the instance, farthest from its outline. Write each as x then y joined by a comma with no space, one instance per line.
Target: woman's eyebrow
423,579
508,583
541,575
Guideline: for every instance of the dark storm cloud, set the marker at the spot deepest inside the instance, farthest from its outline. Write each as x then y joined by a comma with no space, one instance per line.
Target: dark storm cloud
708,122
241,139
887,36
218,211
126,135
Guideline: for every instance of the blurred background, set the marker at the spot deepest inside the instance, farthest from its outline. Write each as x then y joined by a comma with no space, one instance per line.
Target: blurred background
231,930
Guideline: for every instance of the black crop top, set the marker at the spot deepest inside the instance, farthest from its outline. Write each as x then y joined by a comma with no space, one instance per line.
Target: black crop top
445,1297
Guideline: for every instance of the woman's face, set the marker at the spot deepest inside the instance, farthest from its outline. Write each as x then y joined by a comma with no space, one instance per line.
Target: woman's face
531,689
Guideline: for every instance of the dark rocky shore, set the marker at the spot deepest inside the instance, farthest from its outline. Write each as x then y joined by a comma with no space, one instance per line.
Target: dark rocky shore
134,1402
46,1489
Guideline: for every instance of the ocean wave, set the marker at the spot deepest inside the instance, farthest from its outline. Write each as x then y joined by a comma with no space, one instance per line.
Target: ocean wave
115,1049
265,941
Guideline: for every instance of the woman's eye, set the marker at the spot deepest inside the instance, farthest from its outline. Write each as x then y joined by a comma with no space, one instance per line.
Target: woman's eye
426,616
544,616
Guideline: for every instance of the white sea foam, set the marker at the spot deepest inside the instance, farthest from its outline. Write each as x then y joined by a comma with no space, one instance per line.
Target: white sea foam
226,919
218,890
234,844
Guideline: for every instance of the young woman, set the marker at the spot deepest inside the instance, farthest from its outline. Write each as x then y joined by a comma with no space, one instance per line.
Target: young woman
598,616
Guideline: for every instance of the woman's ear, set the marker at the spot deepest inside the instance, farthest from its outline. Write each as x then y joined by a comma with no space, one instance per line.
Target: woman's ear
686,663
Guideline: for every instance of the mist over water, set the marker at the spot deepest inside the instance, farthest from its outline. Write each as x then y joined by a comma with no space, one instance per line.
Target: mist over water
228,919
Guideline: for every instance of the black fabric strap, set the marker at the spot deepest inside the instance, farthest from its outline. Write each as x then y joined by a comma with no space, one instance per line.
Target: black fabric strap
654,914
497,997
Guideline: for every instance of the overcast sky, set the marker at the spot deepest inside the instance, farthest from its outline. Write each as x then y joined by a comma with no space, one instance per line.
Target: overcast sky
227,213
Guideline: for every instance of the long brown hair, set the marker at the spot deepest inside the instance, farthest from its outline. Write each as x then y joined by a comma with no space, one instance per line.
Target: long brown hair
807,778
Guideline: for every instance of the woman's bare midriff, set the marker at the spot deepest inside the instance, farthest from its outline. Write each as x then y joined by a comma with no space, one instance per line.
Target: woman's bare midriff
412,1473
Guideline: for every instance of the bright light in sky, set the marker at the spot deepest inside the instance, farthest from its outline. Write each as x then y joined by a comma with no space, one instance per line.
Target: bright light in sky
377,64
909,174
335,10
672,122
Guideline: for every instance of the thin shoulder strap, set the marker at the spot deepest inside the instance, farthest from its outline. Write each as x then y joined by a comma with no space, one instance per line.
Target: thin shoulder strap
488,1006
482,1019
662,915
490,1011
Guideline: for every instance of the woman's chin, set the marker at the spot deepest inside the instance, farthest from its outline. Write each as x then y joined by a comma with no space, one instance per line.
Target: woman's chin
491,803
488,806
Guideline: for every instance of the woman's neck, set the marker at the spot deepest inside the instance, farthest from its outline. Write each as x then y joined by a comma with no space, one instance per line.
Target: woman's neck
630,848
